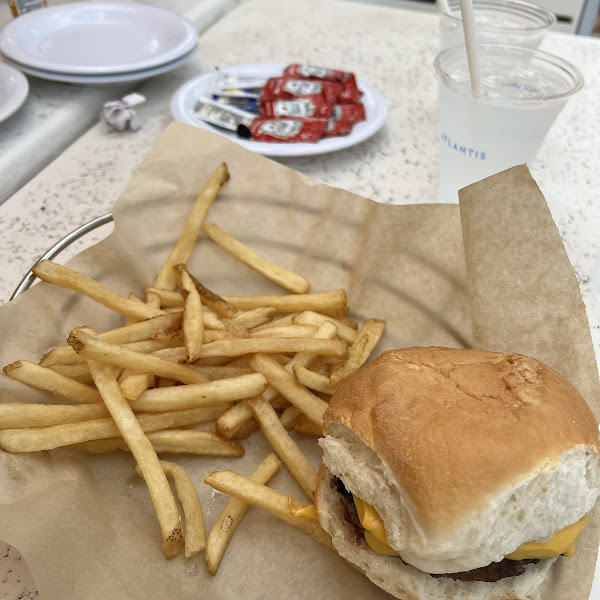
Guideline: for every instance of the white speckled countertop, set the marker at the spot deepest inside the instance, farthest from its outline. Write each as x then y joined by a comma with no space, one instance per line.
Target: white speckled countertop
392,50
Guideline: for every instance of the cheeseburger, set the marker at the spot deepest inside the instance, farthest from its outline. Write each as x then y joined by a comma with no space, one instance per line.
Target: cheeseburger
457,474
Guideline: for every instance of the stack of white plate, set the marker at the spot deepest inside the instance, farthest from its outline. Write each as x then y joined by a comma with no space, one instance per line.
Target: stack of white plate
98,43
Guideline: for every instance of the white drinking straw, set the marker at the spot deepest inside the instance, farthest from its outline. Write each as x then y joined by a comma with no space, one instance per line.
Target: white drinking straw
468,21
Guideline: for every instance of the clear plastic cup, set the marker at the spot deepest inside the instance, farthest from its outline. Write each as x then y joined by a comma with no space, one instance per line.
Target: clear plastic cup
523,91
511,22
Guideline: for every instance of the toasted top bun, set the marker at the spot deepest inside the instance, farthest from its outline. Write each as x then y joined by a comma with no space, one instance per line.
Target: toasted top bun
464,454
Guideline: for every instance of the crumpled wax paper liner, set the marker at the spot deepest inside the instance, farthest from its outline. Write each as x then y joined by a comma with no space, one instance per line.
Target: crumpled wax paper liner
85,524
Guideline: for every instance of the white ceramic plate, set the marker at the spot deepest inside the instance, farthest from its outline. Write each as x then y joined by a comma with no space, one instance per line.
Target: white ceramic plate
186,97
103,79
14,88
95,38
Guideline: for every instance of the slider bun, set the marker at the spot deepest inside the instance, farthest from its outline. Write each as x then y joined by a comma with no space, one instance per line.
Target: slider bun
406,582
464,454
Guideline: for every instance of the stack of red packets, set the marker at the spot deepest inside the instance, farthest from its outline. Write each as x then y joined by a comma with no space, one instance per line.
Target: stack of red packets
306,104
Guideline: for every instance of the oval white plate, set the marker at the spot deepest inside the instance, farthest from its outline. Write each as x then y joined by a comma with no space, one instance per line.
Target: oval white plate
94,38
186,97
103,79
14,88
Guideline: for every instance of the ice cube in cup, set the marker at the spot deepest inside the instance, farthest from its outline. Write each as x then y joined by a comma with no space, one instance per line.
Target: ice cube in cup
522,93
512,22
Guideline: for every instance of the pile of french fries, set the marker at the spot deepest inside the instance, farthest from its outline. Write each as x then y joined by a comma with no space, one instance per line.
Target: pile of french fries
187,356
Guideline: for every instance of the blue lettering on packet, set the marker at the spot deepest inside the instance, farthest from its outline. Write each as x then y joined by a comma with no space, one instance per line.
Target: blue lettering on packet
466,151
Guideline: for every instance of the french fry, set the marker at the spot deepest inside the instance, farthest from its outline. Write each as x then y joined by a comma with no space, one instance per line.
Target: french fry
79,372
158,343
268,500
216,303
333,303
141,448
255,317
360,350
239,347
221,372
288,331
136,383
130,320
51,381
65,355
233,422
177,441
67,278
168,298
313,380
284,446
195,535
211,321
305,426
182,251
283,321
287,279
202,394
90,346
285,383
288,416
193,321
16,415
55,436
231,516
313,319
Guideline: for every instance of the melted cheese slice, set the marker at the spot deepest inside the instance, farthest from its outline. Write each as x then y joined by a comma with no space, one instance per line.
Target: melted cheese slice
563,542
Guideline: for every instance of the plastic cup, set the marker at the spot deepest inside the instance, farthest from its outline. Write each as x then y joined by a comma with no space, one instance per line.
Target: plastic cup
523,91
510,22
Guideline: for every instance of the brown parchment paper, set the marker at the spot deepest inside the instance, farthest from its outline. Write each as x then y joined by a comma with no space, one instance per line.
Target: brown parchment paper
85,524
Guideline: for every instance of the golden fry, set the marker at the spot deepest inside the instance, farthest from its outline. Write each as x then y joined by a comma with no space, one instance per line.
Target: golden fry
360,351
333,303
67,278
284,446
285,383
177,441
55,436
16,415
202,394
182,251
195,535
268,500
313,380
193,321
231,516
90,346
313,319
51,381
287,279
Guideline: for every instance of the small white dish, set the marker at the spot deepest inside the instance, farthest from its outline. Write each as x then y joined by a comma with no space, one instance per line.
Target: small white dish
14,89
103,79
186,97
97,38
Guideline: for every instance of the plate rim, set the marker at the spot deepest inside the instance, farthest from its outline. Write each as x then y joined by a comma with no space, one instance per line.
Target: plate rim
100,80
282,149
22,92
7,47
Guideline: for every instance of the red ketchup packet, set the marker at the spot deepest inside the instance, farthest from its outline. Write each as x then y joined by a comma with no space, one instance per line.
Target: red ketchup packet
293,129
301,107
284,88
350,91
343,118
300,71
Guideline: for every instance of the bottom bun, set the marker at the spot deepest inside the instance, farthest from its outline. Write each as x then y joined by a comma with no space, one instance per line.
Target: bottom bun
402,580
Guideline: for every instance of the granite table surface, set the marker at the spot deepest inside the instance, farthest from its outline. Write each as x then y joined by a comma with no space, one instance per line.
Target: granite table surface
391,49
55,114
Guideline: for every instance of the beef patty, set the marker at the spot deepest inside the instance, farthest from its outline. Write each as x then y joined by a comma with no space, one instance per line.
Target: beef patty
490,573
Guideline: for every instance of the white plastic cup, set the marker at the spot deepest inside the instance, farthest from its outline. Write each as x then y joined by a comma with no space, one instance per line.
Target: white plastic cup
511,22
523,91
